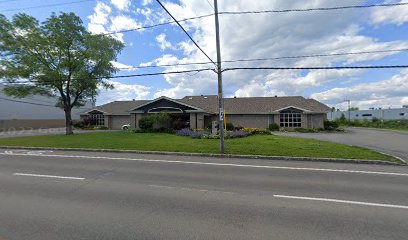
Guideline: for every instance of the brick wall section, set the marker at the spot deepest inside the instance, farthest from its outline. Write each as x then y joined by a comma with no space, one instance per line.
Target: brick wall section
250,120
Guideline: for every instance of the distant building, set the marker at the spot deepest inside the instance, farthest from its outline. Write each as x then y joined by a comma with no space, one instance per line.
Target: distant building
386,114
32,112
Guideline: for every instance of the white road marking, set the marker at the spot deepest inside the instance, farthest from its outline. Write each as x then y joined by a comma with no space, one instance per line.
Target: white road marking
342,201
216,164
47,176
188,189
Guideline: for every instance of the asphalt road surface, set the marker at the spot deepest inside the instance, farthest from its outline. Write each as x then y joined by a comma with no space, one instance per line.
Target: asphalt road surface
78,195
386,141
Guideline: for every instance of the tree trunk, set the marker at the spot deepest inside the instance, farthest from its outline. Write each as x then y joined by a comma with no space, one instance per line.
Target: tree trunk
68,121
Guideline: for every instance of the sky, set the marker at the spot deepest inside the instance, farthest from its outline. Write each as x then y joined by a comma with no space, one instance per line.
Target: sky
251,36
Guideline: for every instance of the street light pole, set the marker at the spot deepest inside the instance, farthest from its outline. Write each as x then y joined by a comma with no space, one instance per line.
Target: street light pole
219,73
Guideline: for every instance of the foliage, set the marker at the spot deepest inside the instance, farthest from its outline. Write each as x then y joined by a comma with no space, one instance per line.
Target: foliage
57,57
377,123
330,125
185,132
237,134
148,121
198,134
342,119
155,130
229,126
101,128
145,123
77,124
273,127
253,131
88,121
306,130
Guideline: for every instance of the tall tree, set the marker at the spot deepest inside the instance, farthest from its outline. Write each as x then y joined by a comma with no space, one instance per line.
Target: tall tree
57,57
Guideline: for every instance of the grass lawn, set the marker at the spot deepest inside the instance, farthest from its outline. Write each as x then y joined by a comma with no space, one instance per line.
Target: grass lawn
254,145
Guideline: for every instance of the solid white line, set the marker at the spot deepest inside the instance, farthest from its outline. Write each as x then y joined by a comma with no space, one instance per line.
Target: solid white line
214,164
47,176
342,201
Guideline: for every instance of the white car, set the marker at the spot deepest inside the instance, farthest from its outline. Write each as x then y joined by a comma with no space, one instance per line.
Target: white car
126,127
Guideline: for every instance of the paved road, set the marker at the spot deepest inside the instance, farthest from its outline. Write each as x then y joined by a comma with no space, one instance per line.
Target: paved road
38,132
78,195
391,142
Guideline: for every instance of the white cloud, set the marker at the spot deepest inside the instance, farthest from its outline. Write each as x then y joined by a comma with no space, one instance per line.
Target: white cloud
146,2
122,66
387,93
123,92
99,18
272,35
121,4
174,92
122,22
163,43
394,15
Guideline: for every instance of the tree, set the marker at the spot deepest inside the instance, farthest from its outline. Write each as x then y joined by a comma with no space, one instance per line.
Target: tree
57,57
342,118
354,109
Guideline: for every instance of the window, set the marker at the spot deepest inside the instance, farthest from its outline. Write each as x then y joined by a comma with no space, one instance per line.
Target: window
291,118
367,115
402,114
98,119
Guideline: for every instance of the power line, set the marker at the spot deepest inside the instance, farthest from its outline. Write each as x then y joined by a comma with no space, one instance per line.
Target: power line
20,101
267,59
124,76
156,25
316,55
316,68
191,38
43,6
315,9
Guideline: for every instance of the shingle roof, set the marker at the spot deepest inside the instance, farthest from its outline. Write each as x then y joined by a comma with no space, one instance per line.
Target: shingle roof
251,105
255,104
118,107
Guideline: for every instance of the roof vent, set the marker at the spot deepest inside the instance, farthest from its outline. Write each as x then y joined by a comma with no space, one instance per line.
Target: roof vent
190,98
276,95
205,97
235,96
133,99
202,95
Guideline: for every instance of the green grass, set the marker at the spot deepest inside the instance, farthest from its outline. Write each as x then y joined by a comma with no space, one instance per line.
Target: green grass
254,145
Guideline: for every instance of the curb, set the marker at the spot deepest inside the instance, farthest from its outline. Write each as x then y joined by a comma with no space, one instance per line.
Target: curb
216,155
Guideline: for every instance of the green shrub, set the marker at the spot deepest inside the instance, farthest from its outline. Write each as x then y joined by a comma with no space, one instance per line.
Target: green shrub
77,124
229,126
158,118
273,127
146,123
330,125
100,128
253,131
306,130
155,130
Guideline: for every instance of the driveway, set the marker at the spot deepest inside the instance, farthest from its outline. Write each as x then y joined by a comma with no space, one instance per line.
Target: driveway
43,131
390,142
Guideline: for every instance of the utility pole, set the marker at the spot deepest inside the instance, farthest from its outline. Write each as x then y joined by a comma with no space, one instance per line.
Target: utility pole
219,73
349,114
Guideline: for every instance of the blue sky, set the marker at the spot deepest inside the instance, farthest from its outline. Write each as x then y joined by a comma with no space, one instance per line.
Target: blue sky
251,36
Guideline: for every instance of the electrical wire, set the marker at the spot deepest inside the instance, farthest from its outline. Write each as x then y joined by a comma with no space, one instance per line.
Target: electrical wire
314,9
43,6
316,68
191,38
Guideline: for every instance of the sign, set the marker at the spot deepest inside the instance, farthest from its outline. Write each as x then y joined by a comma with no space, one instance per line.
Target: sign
221,114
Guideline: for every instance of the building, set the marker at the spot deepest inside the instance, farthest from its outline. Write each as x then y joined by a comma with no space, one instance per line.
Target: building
199,111
385,114
32,112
